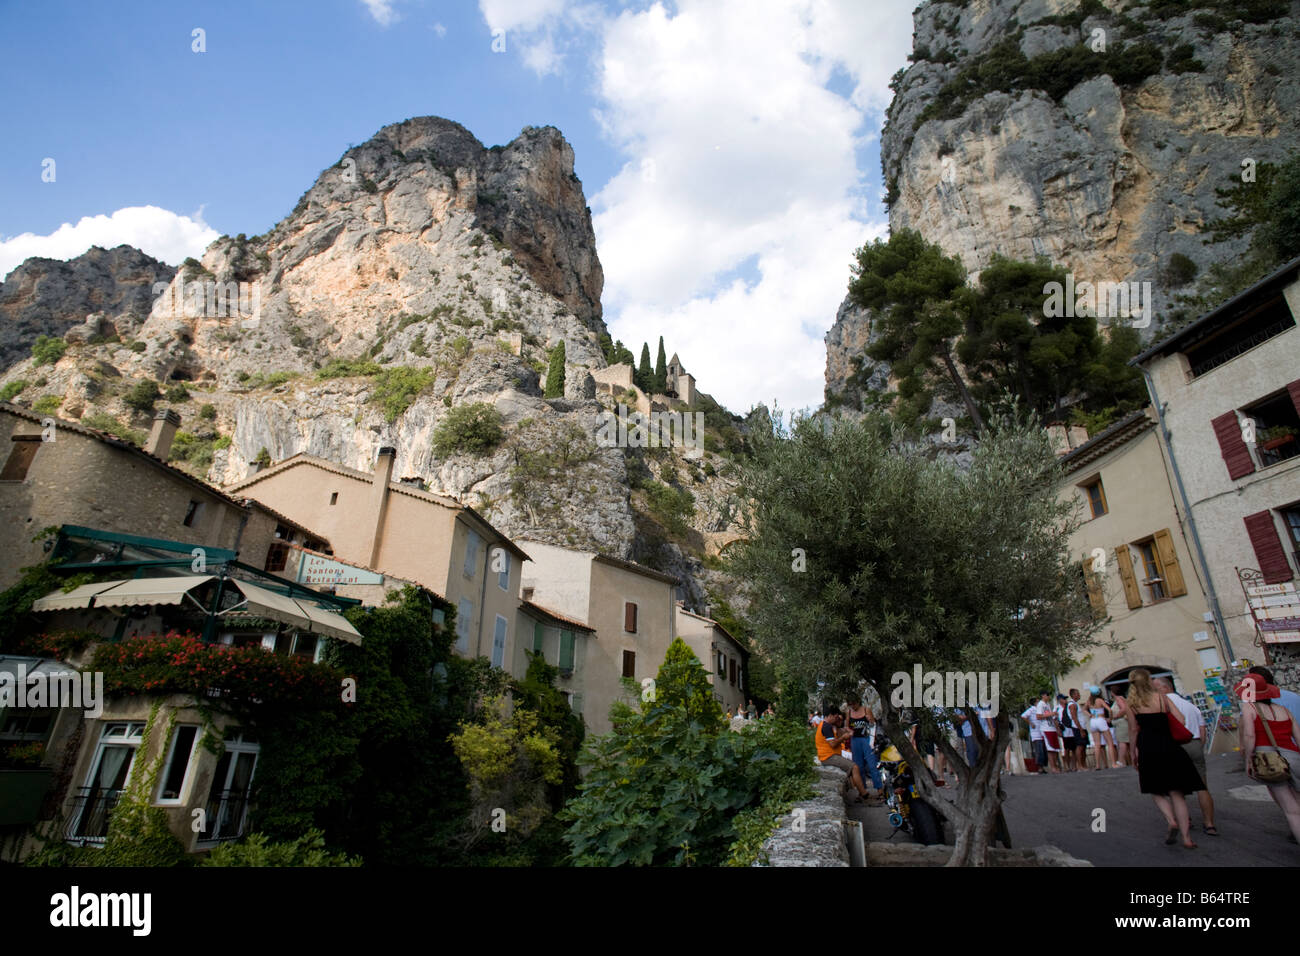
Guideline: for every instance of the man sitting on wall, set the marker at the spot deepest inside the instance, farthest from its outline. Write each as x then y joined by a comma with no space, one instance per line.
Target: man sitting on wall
832,737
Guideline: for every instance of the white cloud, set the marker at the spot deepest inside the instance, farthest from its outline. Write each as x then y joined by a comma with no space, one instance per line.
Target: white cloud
741,160
161,233
520,15
439,29
382,11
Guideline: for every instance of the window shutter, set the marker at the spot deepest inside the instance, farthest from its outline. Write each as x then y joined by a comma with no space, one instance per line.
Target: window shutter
1235,453
539,636
1268,547
629,664
629,617
1294,389
1125,561
566,651
1169,569
1096,596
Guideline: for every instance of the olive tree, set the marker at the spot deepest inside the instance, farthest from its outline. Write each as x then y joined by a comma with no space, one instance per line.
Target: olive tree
866,556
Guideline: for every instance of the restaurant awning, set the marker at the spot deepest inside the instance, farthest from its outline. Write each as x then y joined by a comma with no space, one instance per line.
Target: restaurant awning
139,592
301,614
263,602
69,600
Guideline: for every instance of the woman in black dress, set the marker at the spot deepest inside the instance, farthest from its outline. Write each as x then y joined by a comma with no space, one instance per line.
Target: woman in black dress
1164,769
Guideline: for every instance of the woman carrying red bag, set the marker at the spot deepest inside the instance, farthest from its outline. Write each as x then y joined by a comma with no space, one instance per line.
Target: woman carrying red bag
1164,769
1268,733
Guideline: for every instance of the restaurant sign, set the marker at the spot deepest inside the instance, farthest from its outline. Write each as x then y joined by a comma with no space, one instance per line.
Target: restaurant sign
316,570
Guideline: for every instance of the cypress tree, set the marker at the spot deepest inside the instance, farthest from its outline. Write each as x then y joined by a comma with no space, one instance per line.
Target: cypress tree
661,369
645,376
555,373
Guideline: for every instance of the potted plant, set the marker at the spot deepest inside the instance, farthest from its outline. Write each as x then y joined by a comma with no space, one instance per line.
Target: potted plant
1277,436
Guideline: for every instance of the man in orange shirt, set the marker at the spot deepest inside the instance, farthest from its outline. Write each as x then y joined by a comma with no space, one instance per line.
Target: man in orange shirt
831,738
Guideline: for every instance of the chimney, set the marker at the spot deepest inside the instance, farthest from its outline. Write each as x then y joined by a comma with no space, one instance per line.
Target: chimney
164,430
378,505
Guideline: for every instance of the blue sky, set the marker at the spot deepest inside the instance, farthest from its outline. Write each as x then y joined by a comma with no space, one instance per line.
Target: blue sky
727,147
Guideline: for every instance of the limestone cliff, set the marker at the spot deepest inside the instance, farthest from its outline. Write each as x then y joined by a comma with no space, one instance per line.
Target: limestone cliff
1093,133
420,273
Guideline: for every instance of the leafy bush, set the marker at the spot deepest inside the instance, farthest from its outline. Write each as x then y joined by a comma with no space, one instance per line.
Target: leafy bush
473,429
256,850
109,424
47,404
178,394
346,368
555,372
142,395
671,507
47,351
666,786
396,388
208,412
12,389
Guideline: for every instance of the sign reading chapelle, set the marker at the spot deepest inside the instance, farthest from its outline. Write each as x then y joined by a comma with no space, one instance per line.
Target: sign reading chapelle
1276,609
316,570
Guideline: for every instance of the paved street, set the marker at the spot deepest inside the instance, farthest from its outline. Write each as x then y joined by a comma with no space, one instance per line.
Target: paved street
1059,810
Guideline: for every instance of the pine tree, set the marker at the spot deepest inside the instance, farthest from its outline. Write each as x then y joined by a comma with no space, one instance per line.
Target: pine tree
661,369
645,376
555,373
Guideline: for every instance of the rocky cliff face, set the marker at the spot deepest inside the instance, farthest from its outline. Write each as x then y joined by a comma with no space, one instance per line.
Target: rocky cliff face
50,296
1093,133
420,273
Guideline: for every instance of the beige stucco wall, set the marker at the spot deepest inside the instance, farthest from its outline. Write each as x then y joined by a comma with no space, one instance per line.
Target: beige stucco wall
1140,503
1217,502
80,480
706,640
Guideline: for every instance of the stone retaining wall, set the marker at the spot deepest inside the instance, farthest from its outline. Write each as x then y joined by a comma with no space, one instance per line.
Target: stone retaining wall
813,832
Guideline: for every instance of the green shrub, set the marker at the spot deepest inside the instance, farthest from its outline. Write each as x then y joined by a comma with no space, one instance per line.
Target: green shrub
461,346
177,394
208,412
12,389
1181,270
671,507
109,424
256,850
555,372
47,351
138,346
143,395
47,404
396,388
473,429
346,368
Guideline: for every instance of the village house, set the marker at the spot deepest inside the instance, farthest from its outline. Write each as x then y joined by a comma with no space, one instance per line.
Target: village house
59,472
722,655
1138,567
398,528
630,610
1227,400
560,641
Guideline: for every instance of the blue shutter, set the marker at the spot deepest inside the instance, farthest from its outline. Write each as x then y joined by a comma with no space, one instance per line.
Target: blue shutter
539,637
463,616
499,643
471,553
503,576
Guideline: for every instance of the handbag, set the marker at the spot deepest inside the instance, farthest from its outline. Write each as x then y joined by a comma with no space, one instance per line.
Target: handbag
1177,729
1269,767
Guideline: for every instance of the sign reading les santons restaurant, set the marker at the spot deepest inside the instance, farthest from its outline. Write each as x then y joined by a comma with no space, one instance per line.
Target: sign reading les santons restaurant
1276,609
315,570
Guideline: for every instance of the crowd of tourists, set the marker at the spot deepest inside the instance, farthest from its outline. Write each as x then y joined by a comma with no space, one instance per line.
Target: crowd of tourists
1150,728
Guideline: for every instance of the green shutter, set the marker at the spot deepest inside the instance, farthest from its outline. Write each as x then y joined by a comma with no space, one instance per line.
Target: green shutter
538,634
566,650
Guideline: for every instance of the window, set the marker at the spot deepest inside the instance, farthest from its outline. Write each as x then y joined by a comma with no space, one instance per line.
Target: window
1275,426
1291,519
1256,327
108,776
566,652
20,457
576,703
629,664
1267,545
192,513
503,576
1096,496
334,498
722,664
731,672
177,766
471,553
1161,574
277,555
629,617
463,615
539,638
499,642
226,812
293,644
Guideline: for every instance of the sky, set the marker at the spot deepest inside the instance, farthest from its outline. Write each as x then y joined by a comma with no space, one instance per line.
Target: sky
728,148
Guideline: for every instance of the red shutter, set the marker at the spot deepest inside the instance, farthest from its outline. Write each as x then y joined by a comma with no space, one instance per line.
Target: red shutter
1268,547
1294,389
1235,453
